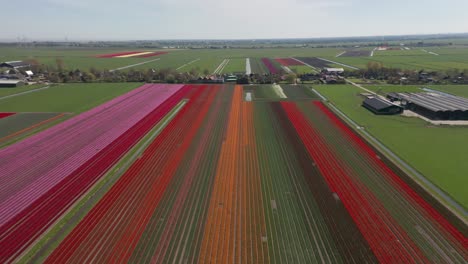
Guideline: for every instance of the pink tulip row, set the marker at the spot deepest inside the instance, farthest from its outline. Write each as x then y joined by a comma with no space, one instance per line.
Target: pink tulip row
31,167
269,64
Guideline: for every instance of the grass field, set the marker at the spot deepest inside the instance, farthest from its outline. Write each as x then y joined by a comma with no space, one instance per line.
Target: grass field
439,153
80,58
235,65
300,69
449,58
74,98
209,59
16,90
460,90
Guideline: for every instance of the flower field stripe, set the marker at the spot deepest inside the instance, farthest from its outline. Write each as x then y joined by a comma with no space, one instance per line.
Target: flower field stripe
52,204
112,55
98,234
296,231
134,54
415,208
220,213
188,246
132,235
153,54
289,62
14,191
193,172
90,133
387,240
105,204
271,68
23,145
184,234
115,192
17,133
4,115
250,224
346,236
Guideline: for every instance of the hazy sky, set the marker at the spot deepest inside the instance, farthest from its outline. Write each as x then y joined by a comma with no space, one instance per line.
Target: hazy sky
223,19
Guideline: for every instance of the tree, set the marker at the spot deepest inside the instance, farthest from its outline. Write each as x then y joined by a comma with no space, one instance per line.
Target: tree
60,64
291,78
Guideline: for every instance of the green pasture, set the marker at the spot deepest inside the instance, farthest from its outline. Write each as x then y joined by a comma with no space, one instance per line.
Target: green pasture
235,65
74,98
416,59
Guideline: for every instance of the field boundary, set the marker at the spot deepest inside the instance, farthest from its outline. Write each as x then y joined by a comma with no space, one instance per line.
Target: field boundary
248,68
134,65
187,64
306,64
221,66
25,92
438,194
339,63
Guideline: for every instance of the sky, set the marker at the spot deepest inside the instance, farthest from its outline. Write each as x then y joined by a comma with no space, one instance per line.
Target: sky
222,19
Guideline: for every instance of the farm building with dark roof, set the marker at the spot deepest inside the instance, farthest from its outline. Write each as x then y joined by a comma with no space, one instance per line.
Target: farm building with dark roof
434,106
381,107
14,64
11,83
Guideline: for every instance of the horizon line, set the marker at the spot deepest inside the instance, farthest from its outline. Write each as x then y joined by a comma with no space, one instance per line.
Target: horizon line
66,40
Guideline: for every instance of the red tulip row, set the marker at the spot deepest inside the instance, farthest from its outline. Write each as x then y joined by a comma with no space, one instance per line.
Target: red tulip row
112,55
3,115
289,62
386,238
271,68
152,54
447,230
111,231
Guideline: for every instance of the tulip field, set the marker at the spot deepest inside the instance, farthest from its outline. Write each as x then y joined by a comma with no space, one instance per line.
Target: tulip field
4,115
271,65
224,180
132,54
289,62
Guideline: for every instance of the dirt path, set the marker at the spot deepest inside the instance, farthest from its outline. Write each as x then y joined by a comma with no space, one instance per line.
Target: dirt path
340,54
133,65
430,52
287,69
187,64
334,62
248,69
26,92
221,66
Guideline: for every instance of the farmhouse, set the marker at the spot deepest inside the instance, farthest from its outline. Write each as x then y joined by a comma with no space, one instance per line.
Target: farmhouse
334,70
380,106
230,78
11,83
14,64
435,106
